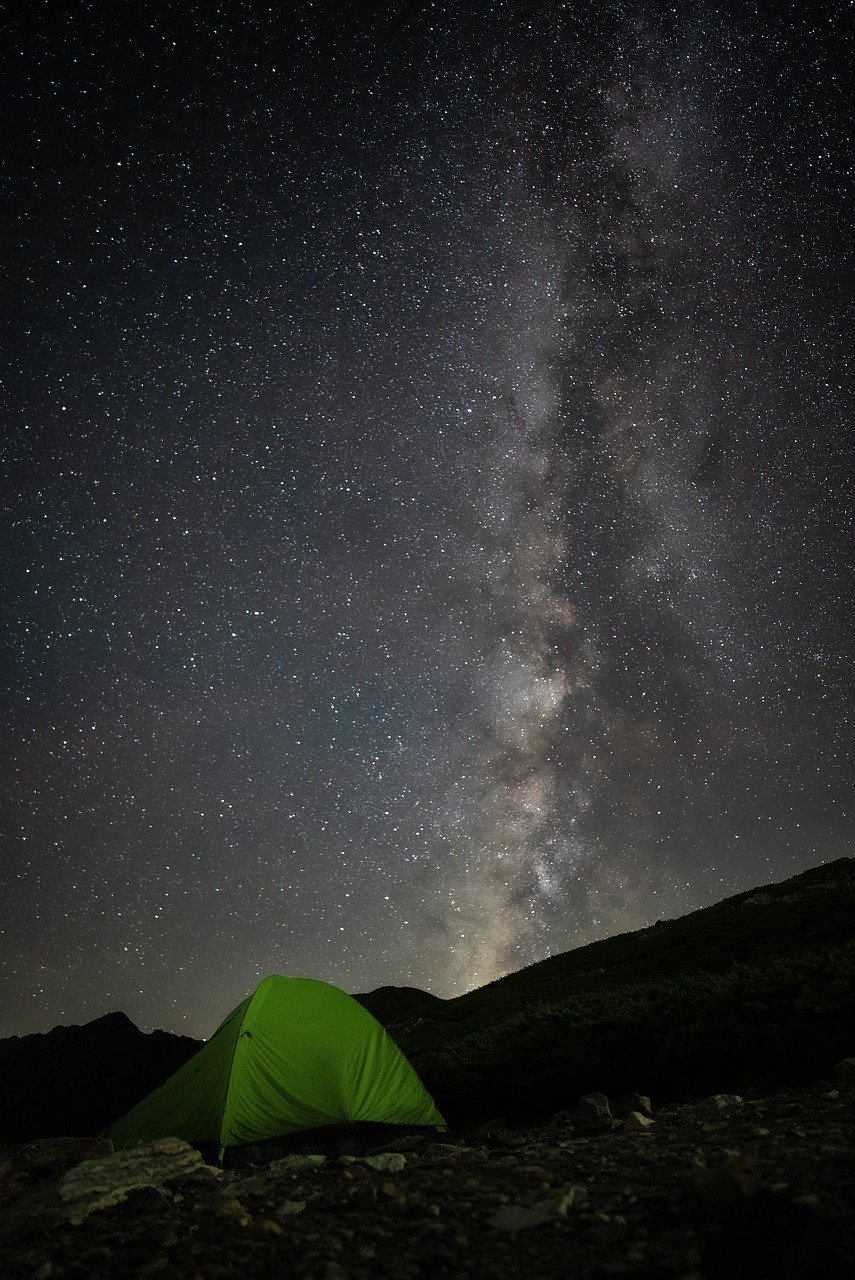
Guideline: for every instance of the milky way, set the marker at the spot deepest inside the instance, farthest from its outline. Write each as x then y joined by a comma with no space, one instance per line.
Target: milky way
423,489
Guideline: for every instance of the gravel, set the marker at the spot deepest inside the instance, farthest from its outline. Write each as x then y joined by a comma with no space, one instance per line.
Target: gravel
723,1188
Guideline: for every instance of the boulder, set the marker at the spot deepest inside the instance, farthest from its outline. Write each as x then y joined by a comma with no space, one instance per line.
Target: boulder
846,1073
100,1183
594,1106
621,1107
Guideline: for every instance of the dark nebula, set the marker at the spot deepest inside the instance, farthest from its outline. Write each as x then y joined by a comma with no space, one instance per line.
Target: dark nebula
423,482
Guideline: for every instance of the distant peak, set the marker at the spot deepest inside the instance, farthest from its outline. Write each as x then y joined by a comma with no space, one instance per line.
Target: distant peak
116,1020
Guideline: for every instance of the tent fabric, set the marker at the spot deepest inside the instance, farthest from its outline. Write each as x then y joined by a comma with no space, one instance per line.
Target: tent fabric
297,1054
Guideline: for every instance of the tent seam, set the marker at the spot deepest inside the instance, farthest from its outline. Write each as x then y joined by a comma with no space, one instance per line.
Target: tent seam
225,1114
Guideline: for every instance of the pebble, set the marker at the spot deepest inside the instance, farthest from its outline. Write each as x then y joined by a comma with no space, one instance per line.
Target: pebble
721,1101
290,1208
386,1162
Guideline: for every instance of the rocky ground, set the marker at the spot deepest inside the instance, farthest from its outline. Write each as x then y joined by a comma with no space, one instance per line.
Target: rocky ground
728,1187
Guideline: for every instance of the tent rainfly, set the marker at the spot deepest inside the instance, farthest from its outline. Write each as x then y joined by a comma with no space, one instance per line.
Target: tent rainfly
297,1054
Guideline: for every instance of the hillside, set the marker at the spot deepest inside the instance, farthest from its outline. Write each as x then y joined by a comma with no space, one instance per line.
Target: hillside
399,1007
754,992
811,910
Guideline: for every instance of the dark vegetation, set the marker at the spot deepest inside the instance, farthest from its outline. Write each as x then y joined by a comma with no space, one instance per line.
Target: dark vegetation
756,991
753,1026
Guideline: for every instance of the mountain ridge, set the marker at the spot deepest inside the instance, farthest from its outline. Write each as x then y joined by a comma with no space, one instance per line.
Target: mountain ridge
778,918
74,1080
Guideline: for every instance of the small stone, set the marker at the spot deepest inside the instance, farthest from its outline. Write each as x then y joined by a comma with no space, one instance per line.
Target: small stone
721,1102
290,1208
231,1209
164,1146
386,1162
296,1164
846,1073
637,1122
205,1176
516,1217
270,1228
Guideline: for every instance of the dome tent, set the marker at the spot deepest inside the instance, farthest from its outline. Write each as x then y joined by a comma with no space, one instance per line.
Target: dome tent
296,1055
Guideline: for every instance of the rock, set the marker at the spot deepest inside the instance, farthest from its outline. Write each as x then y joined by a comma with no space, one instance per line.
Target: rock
594,1115
726,1184
205,1176
5,1166
295,1164
445,1151
270,1227
594,1106
622,1106
637,1122
517,1217
230,1209
720,1102
290,1208
846,1073
50,1153
385,1162
98,1184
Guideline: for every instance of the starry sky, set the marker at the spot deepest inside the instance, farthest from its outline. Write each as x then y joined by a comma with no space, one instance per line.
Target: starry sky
423,456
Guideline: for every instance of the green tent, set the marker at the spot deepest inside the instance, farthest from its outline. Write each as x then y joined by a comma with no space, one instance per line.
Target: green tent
297,1054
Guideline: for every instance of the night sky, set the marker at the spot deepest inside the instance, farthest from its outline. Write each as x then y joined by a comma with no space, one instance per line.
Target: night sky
423,487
